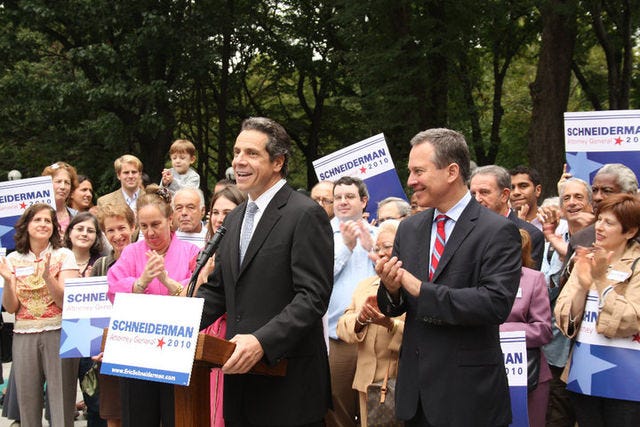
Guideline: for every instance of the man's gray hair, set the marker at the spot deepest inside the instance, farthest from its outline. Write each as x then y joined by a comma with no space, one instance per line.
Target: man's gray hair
503,178
186,190
625,177
404,208
587,188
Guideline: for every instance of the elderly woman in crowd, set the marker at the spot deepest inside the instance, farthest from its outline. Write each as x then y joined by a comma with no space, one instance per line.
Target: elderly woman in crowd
161,264
378,336
531,313
65,180
223,202
34,289
610,269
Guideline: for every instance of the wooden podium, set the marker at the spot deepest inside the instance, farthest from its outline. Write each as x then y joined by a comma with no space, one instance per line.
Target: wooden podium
193,402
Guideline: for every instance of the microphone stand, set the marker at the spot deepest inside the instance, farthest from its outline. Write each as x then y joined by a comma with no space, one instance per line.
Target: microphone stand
204,256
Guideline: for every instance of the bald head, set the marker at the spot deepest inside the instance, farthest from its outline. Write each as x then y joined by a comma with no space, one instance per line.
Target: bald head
322,193
188,205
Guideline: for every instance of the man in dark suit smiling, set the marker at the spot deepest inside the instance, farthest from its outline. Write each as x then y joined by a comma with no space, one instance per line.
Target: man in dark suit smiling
273,276
455,272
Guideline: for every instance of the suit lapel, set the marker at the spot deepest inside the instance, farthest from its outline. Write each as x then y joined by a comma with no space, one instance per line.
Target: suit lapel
424,251
233,234
461,230
268,220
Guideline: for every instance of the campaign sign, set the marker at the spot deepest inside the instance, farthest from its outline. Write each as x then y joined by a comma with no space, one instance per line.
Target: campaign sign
601,366
368,160
514,351
152,337
3,252
598,137
15,197
85,315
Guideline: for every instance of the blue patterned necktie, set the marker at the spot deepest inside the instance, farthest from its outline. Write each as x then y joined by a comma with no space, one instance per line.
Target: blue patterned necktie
247,229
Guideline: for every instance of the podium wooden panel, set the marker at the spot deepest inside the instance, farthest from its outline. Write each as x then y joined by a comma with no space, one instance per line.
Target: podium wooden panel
193,402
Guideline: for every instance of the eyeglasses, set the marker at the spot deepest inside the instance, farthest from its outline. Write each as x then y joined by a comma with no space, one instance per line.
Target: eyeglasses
323,201
85,230
384,247
348,197
381,220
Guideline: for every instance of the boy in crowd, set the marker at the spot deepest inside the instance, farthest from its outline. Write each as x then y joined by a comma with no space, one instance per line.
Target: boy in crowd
181,174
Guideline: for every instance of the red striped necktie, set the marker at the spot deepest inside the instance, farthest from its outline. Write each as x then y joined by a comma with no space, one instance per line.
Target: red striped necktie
438,247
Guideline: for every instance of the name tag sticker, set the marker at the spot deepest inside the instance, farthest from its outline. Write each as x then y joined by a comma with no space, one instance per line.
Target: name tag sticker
519,294
618,276
25,271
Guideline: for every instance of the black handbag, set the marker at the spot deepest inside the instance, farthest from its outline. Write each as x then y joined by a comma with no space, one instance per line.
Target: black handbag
6,342
533,368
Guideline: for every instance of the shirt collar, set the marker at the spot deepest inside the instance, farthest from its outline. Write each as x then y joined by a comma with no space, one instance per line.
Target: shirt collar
265,198
455,212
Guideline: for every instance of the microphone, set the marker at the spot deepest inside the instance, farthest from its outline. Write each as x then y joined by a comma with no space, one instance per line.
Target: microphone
204,256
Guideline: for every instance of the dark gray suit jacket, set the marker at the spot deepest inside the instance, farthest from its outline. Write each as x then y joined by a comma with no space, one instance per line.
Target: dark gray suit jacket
279,294
537,238
451,357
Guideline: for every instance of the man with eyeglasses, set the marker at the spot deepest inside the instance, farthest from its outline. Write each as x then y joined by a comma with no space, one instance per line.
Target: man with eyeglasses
353,240
322,193
393,208
188,211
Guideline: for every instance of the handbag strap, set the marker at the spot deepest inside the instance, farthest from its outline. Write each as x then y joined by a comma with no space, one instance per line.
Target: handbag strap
383,388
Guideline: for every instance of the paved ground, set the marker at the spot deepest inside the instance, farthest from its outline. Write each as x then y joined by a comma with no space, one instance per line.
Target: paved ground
4,422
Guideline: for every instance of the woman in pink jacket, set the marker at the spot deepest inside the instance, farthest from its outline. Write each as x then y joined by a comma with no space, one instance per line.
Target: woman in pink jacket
161,264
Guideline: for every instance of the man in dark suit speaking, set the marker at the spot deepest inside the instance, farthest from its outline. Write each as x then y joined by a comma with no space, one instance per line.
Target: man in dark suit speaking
455,271
273,277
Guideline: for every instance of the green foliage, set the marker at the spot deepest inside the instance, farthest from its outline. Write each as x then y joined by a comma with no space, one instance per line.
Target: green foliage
87,81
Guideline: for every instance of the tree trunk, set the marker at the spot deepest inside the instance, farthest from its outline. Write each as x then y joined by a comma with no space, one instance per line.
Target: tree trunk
550,91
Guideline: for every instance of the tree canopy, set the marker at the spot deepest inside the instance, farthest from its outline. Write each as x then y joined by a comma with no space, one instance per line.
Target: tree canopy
87,81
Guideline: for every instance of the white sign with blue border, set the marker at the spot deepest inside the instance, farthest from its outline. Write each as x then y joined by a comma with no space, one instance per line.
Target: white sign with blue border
152,337
601,366
15,197
514,351
595,138
369,160
85,315
3,252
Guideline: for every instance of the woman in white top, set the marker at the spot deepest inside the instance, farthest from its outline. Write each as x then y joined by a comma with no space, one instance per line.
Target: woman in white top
34,289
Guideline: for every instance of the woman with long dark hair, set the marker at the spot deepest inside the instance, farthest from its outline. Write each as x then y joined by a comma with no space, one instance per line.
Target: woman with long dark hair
34,277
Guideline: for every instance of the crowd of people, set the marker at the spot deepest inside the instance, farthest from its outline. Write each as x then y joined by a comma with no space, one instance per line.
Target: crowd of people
419,294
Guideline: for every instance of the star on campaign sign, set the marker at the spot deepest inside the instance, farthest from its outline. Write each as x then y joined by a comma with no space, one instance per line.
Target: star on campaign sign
369,160
602,366
87,333
581,166
85,315
595,138
15,197
592,365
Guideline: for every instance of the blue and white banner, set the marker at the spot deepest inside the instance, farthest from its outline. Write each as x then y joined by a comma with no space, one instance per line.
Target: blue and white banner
601,366
152,337
85,315
369,160
514,350
15,197
3,252
598,137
